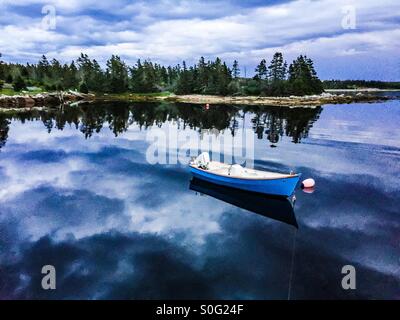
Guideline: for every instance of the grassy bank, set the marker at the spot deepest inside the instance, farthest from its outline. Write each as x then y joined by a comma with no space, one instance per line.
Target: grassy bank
136,97
12,92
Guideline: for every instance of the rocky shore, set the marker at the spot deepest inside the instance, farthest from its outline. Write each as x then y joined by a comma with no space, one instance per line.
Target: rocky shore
43,100
292,101
70,97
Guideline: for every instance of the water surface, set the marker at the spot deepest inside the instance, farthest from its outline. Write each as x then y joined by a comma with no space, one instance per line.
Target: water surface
77,192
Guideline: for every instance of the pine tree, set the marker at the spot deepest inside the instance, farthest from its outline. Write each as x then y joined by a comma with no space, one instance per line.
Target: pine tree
303,78
164,76
19,83
261,70
70,73
170,75
203,75
83,87
43,69
276,76
235,69
277,68
316,83
117,75
91,73
223,79
183,85
136,77
150,77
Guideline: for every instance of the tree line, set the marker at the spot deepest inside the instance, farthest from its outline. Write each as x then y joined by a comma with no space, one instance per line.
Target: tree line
205,77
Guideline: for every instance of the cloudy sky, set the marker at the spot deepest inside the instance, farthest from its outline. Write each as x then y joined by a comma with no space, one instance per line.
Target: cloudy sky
347,39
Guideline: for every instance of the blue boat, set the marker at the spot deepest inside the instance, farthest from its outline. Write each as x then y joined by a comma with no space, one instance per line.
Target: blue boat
235,176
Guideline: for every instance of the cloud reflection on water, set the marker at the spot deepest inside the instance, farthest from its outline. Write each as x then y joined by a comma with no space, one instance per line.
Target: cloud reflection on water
116,227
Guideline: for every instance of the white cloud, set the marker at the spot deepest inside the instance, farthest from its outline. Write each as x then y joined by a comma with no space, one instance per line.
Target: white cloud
169,33
75,172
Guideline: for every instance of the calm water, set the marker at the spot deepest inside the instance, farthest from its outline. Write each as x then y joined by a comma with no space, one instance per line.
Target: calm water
77,193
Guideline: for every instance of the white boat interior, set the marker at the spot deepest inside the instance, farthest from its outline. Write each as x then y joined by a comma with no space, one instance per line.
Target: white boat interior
237,171
203,162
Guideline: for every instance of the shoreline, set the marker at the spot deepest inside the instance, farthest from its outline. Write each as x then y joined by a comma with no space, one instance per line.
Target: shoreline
311,101
54,99
42,100
291,101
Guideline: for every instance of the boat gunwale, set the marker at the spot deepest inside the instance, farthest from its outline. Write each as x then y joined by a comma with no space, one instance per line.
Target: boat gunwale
285,176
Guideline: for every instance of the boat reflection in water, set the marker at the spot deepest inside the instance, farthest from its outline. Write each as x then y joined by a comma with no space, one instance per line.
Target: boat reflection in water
276,208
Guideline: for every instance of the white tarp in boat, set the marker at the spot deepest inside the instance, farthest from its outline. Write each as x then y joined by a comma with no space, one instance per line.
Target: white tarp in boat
203,159
236,170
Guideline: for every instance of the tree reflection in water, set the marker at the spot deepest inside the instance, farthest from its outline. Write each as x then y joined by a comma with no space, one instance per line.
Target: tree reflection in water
270,122
276,122
4,128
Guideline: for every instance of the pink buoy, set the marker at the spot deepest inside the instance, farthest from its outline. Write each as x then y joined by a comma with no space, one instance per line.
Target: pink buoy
308,183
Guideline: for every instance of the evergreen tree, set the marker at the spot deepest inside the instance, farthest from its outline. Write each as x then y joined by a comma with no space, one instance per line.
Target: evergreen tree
136,77
55,69
302,77
170,75
223,80
205,77
149,77
145,77
261,70
316,83
19,84
83,87
117,75
43,69
164,76
184,82
70,78
277,68
91,73
235,69
276,76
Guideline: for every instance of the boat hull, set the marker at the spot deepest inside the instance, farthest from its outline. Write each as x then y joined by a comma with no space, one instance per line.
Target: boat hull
280,186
